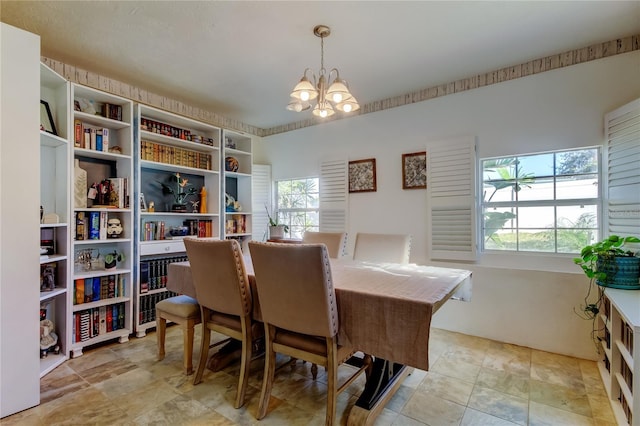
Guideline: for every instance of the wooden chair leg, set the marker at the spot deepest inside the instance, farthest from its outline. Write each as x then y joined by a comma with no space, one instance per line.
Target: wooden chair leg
245,364
332,381
187,334
204,350
161,328
314,371
269,371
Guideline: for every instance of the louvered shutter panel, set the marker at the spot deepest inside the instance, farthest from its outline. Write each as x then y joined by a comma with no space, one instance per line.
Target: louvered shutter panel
622,163
451,192
333,196
261,197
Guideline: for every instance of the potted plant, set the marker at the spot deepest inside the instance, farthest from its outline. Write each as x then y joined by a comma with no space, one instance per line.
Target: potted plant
110,260
276,230
608,263
181,190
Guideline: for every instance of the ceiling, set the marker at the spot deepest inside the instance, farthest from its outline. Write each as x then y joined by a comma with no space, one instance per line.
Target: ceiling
241,59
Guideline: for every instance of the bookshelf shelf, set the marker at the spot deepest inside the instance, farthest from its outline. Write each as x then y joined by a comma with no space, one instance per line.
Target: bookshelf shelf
619,364
47,295
102,146
55,172
50,362
237,183
167,144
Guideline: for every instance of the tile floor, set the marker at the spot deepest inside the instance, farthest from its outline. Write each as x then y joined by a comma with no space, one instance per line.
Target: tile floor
472,381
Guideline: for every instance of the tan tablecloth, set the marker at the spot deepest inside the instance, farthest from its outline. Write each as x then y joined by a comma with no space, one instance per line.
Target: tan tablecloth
384,309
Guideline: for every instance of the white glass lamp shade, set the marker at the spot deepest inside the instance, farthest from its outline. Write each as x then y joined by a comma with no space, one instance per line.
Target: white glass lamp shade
338,91
323,111
297,105
348,105
304,90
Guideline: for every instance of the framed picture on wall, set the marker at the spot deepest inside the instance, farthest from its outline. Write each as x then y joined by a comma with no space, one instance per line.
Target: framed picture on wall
46,119
414,170
362,175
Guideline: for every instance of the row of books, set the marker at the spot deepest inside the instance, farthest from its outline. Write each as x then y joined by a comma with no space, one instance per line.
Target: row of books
92,138
91,323
111,192
98,288
172,131
159,153
153,230
236,225
148,305
198,227
153,272
112,111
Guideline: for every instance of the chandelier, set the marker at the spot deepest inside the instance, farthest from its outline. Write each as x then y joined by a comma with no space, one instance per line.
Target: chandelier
329,93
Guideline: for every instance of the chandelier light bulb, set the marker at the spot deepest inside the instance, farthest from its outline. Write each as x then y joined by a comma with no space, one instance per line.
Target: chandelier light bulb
304,96
337,97
346,108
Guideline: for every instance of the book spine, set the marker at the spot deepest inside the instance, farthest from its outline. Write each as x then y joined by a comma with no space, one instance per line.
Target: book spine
144,277
88,290
99,140
94,225
105,140
87,139
111,284
78,134
79,283
104,218
96,289
92,136
103,319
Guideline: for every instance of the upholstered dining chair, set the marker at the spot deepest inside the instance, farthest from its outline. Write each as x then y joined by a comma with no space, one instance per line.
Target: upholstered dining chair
224,294
336,242
393,248
298,306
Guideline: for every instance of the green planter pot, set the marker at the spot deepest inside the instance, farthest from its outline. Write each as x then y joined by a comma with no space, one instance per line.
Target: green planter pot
622,272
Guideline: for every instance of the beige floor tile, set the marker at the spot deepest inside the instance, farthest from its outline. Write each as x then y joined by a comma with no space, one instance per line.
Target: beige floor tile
499,405
472,381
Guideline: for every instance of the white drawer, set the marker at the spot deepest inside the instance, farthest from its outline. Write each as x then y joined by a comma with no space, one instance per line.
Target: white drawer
161,247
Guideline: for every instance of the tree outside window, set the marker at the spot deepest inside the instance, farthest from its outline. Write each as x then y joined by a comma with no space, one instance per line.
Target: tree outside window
546,202
297,205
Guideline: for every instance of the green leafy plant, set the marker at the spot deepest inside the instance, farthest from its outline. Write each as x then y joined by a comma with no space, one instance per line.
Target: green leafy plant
591,257
114,256
274,222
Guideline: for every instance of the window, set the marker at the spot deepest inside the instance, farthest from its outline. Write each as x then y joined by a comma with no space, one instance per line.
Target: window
546,202
297,205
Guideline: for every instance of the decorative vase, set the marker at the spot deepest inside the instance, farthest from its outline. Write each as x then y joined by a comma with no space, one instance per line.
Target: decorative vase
276,232
622,272
79,186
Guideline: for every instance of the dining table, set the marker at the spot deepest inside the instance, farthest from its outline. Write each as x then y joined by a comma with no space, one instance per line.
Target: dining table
384,310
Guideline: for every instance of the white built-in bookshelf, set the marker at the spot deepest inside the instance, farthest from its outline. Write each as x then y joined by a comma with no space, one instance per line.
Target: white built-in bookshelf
55,227
101,298
619,325
169,147
237,163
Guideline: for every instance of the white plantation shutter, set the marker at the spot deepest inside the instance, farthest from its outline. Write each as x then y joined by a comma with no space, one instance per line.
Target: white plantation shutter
333,196
622,170
261,197
451,192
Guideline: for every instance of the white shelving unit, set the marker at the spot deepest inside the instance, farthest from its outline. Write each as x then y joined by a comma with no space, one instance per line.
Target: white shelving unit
237,152
55,265
107,315
168,144
619,323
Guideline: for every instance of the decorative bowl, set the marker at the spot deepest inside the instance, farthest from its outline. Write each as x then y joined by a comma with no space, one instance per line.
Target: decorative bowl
178,231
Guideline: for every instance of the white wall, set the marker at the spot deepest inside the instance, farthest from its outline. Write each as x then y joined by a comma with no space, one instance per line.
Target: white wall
526,300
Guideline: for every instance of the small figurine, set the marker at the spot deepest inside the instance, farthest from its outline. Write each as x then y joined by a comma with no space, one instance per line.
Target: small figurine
152,207
114,228
48,339
194,205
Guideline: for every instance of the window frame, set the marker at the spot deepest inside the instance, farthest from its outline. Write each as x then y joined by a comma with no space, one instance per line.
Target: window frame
280,211
597,201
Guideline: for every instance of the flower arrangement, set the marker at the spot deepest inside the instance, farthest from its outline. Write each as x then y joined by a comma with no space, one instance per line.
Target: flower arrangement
181,189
